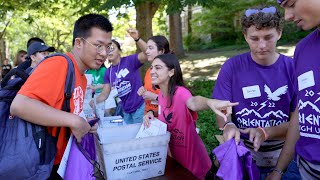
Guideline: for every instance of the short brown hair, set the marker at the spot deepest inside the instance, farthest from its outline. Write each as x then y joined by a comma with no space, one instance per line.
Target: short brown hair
262,20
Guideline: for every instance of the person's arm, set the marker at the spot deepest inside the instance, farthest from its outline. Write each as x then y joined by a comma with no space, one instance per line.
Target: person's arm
98,86
288,150
220,108
223,111
37,112
258,135
104,94
148,95
278,132
140,43
143,47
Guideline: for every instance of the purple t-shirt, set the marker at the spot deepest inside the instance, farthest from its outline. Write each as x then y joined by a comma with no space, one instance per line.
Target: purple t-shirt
307,64
125,76
265,94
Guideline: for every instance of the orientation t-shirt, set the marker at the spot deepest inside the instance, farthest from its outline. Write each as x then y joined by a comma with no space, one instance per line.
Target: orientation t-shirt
265,94
307,63
125,76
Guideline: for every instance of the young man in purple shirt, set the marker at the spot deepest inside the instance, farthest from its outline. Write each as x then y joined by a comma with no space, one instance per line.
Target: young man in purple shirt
306,14
124,79
262,81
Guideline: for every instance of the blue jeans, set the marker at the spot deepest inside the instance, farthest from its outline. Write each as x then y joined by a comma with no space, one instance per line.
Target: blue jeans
134,117
292,172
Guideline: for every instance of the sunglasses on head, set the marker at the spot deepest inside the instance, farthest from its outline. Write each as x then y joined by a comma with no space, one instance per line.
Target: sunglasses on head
250,12
280,1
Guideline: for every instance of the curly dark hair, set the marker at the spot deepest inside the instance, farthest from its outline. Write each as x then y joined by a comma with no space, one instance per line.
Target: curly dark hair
262,20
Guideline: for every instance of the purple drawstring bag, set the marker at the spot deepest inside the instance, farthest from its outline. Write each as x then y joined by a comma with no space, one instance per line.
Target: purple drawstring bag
236,162
82,162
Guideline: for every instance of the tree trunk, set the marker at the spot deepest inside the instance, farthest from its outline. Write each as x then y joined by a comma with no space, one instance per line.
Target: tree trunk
189,29
144,14
175,30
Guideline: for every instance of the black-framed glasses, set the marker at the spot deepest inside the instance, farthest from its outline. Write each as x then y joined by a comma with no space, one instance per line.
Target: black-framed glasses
271,10
100,48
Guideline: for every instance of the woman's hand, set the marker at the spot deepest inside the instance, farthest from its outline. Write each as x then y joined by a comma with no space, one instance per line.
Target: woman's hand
221,108
133,33
147,118
141,91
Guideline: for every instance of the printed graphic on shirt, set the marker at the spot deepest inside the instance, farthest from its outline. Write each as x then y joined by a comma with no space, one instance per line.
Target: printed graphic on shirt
309,112
124,88
272,118
168,117
96,78
309,122
177,138
78,98
274,96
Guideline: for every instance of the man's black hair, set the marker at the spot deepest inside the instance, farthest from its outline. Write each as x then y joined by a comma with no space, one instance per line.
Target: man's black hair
83,26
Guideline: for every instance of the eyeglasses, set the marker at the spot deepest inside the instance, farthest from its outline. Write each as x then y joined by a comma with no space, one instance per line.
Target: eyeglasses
271,10
100,48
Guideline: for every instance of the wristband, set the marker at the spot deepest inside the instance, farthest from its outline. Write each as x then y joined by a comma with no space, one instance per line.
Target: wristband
264,133
136,40
278,171
225,125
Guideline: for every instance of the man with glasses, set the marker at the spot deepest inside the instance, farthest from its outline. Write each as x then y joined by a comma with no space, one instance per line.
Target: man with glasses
262,82
306,15
40,98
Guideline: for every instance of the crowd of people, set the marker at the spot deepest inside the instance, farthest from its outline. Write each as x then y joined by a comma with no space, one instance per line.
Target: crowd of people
261,98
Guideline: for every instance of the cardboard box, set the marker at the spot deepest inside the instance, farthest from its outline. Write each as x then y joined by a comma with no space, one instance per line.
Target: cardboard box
126,157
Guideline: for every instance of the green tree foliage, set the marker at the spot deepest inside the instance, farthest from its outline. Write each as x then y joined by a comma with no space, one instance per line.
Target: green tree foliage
52,23
222,20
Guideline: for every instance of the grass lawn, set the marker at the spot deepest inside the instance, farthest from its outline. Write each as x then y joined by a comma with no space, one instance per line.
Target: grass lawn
200,70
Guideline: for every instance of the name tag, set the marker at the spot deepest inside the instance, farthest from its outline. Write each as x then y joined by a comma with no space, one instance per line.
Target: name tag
113,92
306,80
251,92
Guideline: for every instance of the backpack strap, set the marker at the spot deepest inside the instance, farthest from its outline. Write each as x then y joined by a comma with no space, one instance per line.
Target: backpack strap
14,72
68,88
69,83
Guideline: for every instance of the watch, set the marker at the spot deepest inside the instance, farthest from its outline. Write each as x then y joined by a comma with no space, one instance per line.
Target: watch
136,40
